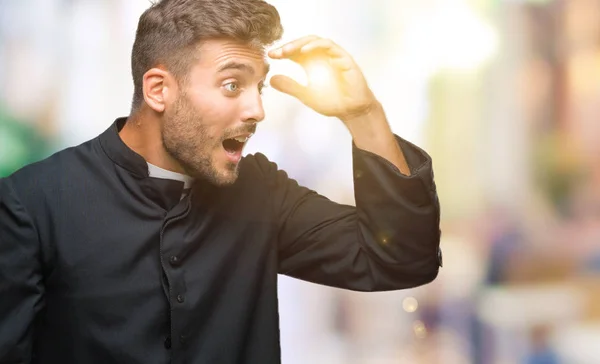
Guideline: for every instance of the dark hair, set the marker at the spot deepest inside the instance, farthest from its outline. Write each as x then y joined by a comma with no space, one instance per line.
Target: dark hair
170,32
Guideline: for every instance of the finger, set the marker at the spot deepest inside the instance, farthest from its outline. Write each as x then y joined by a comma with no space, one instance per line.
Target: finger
340,59
323,45
289,86
342,64
291,48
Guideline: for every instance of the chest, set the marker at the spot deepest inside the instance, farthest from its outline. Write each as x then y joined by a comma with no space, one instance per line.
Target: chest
109,248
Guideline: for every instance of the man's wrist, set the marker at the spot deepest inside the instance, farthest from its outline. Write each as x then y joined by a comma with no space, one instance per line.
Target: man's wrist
369,125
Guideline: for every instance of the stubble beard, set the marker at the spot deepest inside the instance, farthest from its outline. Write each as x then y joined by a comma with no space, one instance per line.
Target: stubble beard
186,139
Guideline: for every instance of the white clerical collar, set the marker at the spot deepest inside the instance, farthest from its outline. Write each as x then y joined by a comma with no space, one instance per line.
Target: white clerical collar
157,172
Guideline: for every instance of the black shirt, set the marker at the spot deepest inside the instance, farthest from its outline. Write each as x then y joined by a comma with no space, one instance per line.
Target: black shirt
100,263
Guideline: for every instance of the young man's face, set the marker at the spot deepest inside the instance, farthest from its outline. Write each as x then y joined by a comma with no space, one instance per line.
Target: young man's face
216,110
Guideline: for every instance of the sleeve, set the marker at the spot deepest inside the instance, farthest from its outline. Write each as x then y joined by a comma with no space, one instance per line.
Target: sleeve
21,288
389,240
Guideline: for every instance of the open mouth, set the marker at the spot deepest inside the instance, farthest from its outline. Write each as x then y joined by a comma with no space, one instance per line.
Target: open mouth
235,145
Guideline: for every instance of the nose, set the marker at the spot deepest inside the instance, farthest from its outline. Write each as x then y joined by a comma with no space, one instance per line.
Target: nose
252,108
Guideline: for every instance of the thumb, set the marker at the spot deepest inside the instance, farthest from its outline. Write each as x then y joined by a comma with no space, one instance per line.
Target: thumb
289,86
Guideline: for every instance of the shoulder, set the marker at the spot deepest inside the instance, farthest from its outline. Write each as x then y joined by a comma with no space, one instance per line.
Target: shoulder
50,174
259,166
258,163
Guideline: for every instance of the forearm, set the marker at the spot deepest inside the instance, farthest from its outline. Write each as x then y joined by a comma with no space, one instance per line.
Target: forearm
371,132
389,240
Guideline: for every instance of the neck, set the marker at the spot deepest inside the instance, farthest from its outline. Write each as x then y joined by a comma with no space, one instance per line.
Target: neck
142,133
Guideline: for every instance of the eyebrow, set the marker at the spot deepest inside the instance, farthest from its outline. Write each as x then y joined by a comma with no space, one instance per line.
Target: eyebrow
242,67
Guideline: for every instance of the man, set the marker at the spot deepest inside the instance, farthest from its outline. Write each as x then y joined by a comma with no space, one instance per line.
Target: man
157,242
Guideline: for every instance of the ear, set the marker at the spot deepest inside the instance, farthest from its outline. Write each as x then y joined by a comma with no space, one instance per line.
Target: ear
158,88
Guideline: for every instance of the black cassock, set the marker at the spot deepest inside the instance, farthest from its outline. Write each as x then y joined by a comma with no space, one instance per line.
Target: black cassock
100,263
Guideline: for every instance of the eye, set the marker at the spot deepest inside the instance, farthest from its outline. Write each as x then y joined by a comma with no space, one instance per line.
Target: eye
232,87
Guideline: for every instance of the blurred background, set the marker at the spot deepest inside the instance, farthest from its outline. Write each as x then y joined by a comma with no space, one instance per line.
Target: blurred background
505,96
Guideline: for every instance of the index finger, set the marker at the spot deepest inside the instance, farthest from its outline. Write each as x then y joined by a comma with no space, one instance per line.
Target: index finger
290,49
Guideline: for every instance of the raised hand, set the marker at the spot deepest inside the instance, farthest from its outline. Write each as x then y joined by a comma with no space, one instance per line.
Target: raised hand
336,85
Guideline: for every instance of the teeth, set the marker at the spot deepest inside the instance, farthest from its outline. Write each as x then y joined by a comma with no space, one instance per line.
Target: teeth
241,139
